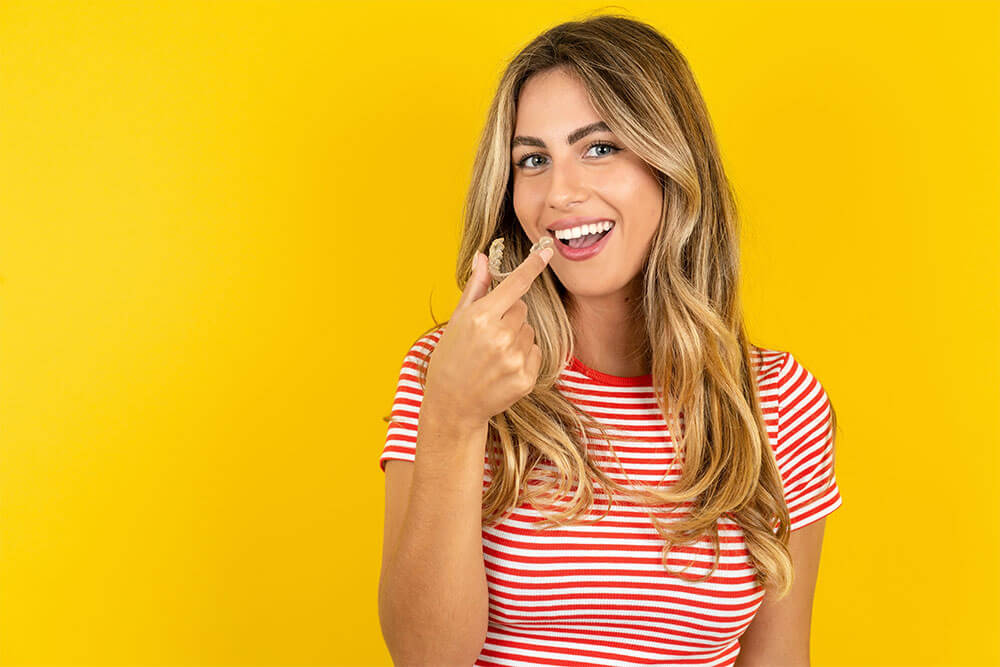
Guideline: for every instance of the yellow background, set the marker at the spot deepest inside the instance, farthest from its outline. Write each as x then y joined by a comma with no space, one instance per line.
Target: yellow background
223,223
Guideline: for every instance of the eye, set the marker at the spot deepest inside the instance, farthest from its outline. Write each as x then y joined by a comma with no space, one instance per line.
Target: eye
520,164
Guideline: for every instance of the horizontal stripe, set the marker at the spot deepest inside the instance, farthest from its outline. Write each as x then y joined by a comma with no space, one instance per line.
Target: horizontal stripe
598,594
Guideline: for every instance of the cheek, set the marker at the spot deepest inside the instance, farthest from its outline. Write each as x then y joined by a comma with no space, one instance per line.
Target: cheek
638,196
635,192
528,201
527,192
644,191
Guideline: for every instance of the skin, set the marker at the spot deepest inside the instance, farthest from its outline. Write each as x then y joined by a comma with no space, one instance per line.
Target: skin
558,180
561,180
778,635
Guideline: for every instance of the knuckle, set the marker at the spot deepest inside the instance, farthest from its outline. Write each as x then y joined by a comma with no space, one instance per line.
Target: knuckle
502,339
477,319
513,363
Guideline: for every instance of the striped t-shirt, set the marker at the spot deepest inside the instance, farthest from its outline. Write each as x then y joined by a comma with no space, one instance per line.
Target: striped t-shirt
599,594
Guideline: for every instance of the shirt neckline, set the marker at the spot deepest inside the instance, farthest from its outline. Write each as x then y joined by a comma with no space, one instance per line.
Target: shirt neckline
604,378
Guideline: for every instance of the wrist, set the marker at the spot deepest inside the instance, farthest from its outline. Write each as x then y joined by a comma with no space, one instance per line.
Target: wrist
443,415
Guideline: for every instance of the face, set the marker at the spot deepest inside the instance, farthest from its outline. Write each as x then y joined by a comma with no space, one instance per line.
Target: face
561,173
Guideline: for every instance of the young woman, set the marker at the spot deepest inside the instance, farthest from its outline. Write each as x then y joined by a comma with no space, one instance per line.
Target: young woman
589,463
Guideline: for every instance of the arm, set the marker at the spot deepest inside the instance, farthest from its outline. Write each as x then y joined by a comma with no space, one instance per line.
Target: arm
778,636
433,597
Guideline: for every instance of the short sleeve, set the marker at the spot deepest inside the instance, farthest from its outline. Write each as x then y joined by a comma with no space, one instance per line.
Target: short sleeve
401,436
804,450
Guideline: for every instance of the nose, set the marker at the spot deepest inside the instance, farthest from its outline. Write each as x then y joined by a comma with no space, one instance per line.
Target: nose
567,187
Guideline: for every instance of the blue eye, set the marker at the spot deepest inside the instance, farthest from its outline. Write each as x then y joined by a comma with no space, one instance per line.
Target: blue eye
520,164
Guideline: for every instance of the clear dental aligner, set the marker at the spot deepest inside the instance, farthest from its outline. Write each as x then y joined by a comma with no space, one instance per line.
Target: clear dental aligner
496,255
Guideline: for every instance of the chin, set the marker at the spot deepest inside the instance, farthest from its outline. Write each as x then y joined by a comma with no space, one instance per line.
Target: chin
592,288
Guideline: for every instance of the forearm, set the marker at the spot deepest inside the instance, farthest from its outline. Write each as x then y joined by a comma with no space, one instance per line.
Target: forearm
433,600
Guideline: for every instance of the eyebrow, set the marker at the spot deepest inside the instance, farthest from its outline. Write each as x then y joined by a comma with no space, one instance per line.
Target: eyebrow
573,137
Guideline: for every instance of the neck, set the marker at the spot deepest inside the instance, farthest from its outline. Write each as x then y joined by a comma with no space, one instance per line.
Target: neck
610,333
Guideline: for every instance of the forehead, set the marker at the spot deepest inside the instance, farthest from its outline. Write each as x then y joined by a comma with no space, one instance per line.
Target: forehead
551,104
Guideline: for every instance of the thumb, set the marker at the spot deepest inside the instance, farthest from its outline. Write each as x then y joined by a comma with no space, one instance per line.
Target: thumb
479,282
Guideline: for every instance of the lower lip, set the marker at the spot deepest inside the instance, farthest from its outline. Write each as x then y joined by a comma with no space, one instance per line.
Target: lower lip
578,254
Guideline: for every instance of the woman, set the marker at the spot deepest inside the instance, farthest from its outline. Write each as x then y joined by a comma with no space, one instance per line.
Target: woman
616,373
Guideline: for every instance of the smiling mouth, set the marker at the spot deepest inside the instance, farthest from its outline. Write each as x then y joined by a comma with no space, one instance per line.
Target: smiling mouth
583,241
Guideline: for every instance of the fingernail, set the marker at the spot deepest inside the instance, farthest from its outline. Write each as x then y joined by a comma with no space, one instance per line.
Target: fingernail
546,254
474,258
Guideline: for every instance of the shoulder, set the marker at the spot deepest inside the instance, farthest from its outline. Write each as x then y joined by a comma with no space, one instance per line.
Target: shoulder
799,391
783,373
420,350
799,412
803,426
404,418
794,401
768,364
409,385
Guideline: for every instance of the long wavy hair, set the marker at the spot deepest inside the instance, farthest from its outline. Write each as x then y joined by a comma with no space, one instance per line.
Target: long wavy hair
704,382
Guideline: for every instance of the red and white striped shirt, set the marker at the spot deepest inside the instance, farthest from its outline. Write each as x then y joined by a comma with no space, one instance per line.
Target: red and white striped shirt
599,594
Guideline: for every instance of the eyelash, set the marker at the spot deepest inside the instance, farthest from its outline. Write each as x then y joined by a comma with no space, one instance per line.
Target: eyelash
520,163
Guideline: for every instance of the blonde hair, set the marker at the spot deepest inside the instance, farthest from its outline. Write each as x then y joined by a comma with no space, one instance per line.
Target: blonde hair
643,88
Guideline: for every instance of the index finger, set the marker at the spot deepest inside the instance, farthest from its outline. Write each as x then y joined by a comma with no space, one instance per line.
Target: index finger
519,281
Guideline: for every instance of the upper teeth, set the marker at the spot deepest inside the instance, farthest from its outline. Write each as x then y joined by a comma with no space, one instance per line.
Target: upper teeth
583,230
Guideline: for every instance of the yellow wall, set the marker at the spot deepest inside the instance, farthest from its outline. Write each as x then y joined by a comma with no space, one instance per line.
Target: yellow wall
221,224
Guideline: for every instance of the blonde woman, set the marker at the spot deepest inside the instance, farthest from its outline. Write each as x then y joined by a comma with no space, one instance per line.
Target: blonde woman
589,463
